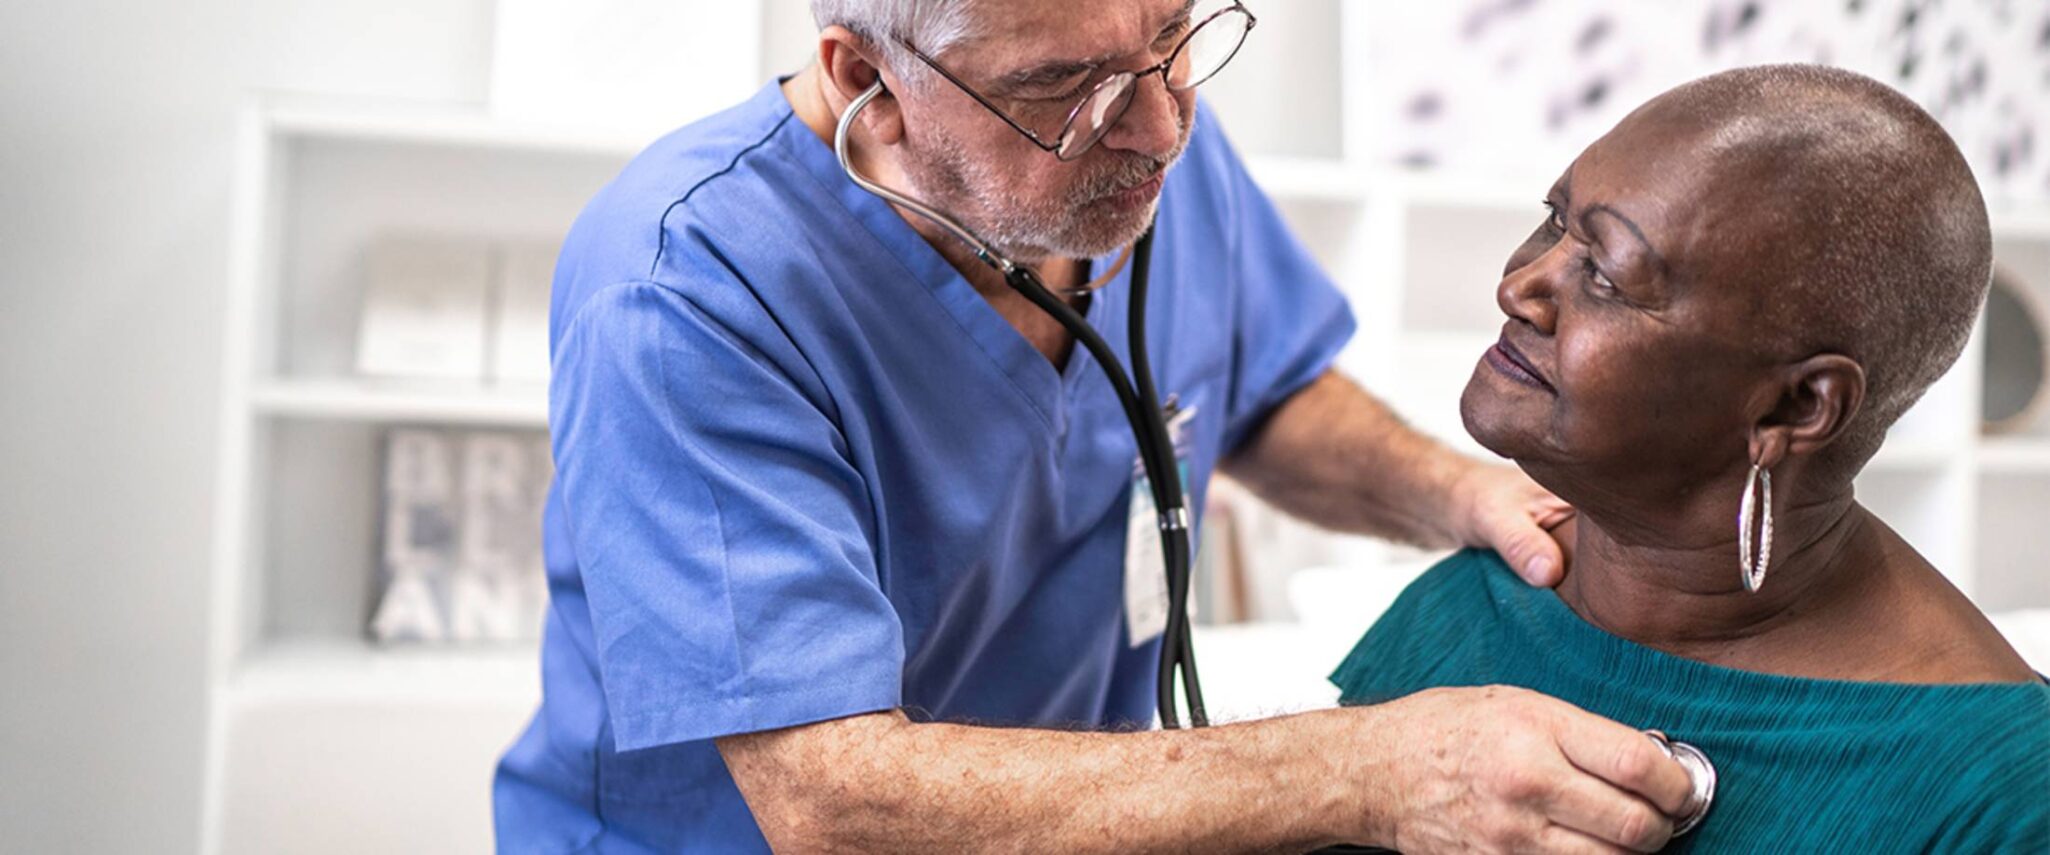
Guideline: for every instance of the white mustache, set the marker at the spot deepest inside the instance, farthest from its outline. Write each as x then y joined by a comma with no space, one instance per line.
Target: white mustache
1124,178
1132,172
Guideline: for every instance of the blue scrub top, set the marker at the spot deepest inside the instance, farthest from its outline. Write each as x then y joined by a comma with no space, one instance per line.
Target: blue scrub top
805,471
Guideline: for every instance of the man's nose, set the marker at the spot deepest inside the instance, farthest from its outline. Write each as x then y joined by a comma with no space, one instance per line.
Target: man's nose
1152,125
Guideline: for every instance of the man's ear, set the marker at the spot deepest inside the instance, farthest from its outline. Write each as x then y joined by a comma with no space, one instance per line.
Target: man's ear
1817,399
848,65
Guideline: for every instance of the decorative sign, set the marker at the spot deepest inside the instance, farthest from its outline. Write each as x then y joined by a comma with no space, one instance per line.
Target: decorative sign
462,536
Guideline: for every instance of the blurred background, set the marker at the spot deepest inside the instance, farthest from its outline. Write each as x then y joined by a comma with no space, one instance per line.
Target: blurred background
272,352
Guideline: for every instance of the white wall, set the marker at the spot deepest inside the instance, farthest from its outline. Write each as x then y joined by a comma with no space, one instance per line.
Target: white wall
116,120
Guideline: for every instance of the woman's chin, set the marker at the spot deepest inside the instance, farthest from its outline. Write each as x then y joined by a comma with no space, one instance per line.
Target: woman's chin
1501,423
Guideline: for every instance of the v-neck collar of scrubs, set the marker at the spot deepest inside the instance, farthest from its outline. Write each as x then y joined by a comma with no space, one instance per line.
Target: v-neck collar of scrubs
1050,391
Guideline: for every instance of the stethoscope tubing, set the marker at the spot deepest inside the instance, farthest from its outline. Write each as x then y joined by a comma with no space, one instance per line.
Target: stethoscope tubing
1139,400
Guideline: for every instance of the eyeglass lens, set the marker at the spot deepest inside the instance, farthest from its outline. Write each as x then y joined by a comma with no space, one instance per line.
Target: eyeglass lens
1205,52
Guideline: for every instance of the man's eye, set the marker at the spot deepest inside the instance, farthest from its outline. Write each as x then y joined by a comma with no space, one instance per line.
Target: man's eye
1169,36
1065,89
1555,219
1072,93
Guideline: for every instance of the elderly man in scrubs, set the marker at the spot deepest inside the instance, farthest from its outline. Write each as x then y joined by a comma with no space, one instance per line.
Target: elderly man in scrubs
837,543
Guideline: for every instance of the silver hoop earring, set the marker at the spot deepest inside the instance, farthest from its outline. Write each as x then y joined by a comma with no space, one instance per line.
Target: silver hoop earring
1754,565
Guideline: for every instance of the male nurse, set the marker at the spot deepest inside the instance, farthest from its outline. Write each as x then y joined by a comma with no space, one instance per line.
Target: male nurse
837,541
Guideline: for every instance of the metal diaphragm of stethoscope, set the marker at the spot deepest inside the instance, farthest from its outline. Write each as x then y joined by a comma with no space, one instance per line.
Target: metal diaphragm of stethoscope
1135,393
1700,777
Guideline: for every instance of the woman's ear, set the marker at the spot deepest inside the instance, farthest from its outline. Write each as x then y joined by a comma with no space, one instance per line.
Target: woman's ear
1818,398
848,65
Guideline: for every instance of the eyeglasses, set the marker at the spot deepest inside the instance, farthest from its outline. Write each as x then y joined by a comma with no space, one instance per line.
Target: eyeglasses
1202,53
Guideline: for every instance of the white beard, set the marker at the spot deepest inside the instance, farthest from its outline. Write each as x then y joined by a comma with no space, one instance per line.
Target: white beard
1079,226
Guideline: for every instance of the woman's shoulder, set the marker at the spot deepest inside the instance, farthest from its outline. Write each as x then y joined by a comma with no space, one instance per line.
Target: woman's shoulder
1916,626
1997,750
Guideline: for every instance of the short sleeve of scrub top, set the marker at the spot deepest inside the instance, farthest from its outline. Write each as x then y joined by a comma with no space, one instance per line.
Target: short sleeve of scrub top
730,584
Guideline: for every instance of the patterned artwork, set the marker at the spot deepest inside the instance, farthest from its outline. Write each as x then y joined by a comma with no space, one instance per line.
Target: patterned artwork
1533,81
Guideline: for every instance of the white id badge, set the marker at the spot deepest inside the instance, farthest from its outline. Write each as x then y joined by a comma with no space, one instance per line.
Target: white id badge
1145,569
1146,605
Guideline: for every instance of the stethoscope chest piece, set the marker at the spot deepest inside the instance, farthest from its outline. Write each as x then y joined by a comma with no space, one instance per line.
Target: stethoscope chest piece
1700,773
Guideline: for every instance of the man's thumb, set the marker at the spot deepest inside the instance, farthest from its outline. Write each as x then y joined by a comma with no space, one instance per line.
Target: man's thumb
1534,556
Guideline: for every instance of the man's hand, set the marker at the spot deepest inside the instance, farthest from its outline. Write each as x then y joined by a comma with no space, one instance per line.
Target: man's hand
1500,507
1333,455
1503,769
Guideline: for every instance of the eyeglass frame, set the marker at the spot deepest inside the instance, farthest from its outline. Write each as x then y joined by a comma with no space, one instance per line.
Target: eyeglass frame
1075,112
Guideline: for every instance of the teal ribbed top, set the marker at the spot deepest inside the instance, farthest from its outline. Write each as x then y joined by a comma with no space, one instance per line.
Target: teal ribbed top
1804,765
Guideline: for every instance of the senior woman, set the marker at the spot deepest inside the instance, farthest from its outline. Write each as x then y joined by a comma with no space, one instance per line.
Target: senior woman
1735,293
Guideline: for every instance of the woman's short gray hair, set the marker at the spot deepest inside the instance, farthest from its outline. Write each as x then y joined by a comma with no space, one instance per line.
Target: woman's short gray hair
932,25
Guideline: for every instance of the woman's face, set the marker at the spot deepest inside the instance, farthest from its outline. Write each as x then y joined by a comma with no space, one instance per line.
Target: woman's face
1630,361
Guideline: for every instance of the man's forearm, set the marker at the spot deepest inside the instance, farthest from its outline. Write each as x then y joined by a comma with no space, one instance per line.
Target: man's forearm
1334,455
881,783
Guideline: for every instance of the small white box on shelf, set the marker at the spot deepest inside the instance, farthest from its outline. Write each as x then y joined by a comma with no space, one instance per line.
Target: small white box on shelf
424,303
519,313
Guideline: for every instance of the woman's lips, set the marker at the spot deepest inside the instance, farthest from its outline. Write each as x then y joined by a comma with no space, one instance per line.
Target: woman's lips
1505,358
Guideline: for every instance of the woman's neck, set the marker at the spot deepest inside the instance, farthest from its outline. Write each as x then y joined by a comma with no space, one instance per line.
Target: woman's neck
1647,583
1845,599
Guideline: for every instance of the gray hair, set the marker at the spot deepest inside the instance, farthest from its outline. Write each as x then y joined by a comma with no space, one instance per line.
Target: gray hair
932,25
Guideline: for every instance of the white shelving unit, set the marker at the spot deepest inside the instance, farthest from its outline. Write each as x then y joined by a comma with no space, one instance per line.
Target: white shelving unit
320,739
355,400
317,733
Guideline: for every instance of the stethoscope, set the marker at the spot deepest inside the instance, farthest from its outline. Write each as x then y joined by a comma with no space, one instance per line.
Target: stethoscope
1141,404
1135,393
